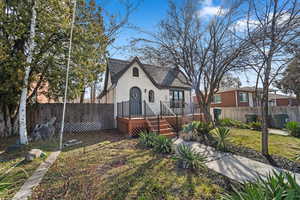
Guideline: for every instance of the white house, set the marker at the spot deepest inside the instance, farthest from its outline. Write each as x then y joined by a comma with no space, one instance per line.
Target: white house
133,81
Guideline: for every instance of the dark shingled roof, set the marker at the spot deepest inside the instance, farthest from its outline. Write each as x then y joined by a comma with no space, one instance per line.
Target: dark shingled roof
162,77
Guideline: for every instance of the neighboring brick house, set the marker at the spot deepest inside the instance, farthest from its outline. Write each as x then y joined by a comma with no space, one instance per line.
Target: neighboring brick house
246,97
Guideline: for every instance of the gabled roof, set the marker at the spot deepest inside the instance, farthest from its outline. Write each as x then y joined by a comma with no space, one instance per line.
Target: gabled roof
161,77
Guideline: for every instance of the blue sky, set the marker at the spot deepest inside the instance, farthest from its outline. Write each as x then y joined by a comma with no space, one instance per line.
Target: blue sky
147,16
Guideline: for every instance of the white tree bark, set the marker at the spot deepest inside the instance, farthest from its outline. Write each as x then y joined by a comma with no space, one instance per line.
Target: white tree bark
22,108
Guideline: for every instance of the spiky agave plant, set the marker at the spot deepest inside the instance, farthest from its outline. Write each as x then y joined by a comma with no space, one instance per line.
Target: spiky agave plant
222,134
189,158
147,139
280,185
162,144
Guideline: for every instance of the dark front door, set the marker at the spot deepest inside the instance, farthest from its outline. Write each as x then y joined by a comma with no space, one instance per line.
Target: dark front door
135,101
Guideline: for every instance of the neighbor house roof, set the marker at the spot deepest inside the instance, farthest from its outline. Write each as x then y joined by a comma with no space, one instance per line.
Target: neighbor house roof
246,89
280,96
161,77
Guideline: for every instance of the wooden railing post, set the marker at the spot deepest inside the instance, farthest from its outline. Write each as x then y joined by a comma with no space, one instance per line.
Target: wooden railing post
193,110
158,127
129,109
122,108
145,112
177,129
160,108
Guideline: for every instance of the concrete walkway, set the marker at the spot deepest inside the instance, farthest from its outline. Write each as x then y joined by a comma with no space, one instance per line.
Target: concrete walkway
278,131
36,178
235,167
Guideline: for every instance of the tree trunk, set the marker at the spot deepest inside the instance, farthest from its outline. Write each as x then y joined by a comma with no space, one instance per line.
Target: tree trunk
82,96
23,98
265,133
205,107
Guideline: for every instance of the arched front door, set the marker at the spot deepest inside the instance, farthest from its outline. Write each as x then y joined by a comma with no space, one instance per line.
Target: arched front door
135,101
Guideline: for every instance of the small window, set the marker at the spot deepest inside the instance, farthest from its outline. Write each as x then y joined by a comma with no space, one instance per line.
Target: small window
217,98
135,72
243,96
151,96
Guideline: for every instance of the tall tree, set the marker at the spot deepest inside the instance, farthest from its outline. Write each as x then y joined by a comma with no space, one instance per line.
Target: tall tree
290,81
272,25
23,98
229,80
203,50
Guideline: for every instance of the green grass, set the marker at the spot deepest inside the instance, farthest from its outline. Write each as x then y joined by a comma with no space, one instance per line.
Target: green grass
111,167
11,182
285,146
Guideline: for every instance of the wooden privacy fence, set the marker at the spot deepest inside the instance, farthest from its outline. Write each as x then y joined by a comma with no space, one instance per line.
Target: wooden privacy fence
238,113
78,118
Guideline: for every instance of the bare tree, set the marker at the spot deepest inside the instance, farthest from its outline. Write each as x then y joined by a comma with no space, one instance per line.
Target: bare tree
272,25
203,50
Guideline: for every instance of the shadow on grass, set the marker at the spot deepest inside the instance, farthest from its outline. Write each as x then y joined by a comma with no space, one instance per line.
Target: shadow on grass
121,185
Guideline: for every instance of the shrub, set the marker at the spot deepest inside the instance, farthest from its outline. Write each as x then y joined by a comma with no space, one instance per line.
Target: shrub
147,139
188,158
278,186
294,128
162,144
197,128
226,122
255,126
222,134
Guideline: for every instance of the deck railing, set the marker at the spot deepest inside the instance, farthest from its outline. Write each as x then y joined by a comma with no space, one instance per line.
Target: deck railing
166,108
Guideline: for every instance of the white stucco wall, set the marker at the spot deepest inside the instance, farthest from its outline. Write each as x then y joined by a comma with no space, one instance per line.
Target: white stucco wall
127,81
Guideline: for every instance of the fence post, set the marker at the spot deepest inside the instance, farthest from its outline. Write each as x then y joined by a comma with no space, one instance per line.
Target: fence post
129,109
145,114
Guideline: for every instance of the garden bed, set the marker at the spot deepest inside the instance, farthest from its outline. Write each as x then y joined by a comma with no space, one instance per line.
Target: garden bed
244,142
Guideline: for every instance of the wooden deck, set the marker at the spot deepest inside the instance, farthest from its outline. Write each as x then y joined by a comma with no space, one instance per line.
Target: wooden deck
133,126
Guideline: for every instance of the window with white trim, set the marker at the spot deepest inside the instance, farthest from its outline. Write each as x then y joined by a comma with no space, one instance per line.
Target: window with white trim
217,98
243,96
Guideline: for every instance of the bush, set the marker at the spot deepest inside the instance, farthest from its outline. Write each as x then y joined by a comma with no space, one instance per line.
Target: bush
278,186
222,134
256,126
162,144
147,139
197,128
188,158
294,128
226,122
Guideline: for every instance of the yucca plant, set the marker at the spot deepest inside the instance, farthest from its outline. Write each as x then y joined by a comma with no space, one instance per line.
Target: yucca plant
197,128
162,144
188,158
222,134
256,126
294,128
281,186
147,139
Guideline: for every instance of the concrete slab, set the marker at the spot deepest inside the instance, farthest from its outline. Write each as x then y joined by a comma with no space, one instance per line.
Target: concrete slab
36,178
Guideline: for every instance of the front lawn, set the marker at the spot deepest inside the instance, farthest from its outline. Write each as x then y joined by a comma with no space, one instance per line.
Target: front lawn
285,146
14,170
109,166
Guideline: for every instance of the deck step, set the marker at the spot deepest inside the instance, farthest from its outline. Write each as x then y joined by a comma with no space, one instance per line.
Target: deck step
170,135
